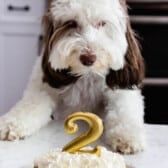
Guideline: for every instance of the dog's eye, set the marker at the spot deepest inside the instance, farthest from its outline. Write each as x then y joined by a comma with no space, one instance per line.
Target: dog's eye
72,23
100,24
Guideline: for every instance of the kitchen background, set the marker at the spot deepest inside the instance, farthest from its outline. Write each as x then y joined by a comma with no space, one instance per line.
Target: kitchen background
20,44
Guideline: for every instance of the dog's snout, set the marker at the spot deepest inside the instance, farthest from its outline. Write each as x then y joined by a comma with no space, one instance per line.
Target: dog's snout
88,59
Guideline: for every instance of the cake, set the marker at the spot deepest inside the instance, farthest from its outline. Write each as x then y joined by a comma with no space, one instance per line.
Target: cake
58,159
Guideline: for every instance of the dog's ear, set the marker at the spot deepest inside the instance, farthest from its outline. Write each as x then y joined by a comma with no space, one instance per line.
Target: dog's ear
133,72
48,32
55,78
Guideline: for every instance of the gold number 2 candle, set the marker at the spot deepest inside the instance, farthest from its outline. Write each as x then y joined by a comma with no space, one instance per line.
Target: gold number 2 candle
94,133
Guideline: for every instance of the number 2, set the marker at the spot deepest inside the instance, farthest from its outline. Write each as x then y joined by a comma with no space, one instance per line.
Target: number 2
93,134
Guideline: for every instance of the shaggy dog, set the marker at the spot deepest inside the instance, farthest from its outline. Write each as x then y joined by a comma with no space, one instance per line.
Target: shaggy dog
91,62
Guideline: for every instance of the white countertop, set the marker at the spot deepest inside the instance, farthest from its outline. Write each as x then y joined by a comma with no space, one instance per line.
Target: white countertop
22,154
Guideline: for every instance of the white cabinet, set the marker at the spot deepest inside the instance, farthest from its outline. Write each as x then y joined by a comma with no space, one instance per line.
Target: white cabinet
21,9
19,48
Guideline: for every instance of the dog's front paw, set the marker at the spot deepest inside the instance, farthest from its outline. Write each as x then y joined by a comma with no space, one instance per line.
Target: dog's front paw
125,142
11,129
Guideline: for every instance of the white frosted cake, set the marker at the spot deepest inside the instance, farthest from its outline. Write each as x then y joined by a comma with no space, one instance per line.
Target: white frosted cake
59,159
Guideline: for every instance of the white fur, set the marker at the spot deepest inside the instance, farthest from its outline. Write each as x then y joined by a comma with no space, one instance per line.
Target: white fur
125,117
124,108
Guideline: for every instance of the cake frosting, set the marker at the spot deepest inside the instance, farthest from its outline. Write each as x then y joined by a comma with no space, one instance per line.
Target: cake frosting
58,159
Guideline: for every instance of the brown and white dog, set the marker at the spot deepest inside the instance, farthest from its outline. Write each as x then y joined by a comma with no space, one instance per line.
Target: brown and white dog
91,62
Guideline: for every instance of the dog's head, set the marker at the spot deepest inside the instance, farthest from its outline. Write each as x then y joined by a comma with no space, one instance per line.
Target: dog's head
84,36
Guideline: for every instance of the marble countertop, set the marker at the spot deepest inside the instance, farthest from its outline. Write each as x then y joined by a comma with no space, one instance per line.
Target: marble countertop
21,154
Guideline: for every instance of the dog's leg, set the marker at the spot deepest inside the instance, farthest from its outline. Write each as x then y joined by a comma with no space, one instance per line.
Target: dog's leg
124,121
31,113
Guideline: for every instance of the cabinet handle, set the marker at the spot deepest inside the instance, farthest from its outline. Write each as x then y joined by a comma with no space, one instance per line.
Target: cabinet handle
158,20
19,8
156,81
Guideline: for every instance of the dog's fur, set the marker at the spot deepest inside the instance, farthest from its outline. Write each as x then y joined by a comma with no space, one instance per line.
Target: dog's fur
61,83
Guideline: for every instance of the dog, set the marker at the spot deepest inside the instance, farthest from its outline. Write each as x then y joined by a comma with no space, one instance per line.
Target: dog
90,61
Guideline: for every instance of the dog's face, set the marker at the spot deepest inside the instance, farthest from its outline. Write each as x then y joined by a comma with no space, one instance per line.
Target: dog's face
86,36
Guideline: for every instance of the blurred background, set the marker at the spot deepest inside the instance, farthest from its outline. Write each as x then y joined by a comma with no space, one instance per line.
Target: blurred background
20,44
21,38
150,21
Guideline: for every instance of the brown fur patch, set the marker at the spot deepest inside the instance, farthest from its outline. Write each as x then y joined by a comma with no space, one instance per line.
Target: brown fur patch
133,72
55,78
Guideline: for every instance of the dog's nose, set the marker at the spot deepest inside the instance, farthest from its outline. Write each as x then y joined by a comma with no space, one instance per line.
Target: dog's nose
88,59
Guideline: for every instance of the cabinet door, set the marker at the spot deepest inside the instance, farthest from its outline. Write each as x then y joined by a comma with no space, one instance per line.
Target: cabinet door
17,56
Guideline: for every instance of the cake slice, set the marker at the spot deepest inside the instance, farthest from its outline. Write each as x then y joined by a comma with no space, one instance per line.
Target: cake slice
59,159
